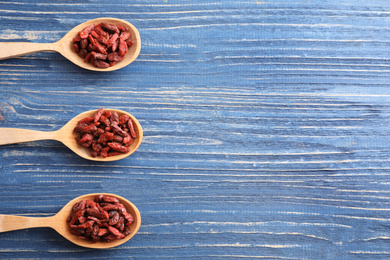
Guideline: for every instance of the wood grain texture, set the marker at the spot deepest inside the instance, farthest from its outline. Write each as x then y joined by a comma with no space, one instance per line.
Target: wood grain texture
266,128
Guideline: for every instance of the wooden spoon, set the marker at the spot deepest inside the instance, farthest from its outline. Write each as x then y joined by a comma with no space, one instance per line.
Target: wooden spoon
67,136
65,46
59,222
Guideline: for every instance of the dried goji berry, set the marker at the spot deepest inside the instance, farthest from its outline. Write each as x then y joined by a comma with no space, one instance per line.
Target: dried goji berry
125,35
114,219
98,114
76,47
76,216
86,120
103,38
107,113
118,147
105,133
123,119
117,138
104,152
111,207
86,138
91,40
129,42
103,232
112,28
99,63
88,57
119,130
126,231
85,32
114,46
84,43
100,31
86,144
98,56
120,225
89,129
104,120
122,28
107,136
96,213
131,128
109,199
115,232
83,53
95,34
97,147
99,132
113,39
80,206
126,139
97,222
114,118
122,47
100,48
128,216
114,56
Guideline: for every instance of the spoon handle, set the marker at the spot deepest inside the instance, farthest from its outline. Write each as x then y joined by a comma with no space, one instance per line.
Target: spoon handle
15,49
12,222
16,135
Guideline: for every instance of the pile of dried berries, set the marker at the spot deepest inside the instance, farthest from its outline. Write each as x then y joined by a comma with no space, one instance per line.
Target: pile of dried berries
106,133
105,218
103,45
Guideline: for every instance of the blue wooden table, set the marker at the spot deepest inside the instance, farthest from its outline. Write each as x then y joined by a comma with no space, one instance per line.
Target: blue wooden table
266,128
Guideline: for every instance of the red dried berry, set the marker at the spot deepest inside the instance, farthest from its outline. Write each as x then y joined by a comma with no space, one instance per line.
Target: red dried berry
99,63
122,47
92,221
118,147
86,31
105,133
125,35
112,28
113,39
102,39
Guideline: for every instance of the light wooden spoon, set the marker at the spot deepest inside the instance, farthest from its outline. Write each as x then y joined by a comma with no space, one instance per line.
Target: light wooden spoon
59,222
67,136
65,46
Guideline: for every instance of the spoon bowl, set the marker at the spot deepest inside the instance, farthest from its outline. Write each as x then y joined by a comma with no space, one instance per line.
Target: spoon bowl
65,46
67,136
59,222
